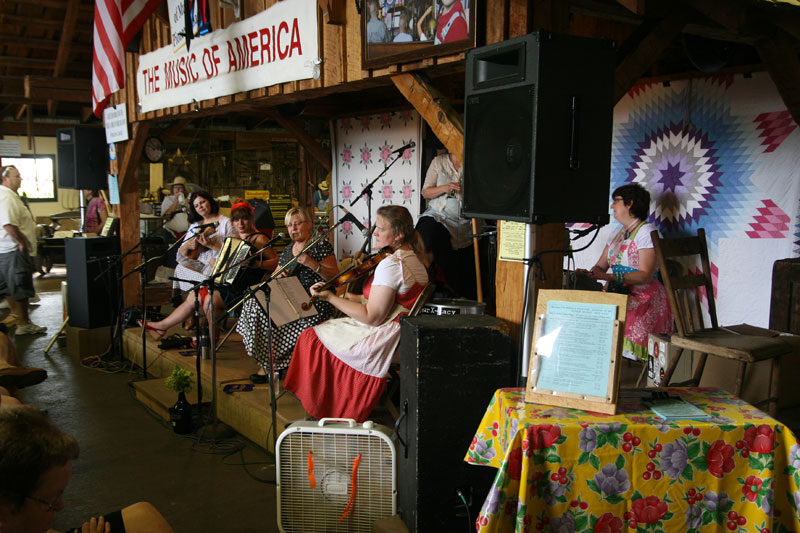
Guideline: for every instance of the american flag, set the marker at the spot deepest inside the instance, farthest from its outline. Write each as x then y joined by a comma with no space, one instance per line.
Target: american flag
115,24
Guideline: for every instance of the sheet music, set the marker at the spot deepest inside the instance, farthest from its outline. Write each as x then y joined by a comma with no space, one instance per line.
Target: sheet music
286,298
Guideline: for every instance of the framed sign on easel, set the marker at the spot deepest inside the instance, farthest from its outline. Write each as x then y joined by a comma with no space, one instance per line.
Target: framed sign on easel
577,347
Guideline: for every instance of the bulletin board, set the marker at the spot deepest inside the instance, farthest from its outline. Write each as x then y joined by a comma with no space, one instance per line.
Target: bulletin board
577,349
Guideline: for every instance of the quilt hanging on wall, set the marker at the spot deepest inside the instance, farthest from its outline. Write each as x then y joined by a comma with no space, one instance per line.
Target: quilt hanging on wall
720,153
364,147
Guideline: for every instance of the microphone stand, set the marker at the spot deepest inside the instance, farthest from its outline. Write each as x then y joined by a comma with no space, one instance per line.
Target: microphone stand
211,323
367,192
264,287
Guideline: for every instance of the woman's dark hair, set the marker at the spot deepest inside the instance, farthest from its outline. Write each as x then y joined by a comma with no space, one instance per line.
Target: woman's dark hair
637,197
193,216
29,446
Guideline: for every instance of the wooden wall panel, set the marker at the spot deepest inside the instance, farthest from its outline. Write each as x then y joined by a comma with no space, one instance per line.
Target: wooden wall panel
352,68
496,21
330,53
517,18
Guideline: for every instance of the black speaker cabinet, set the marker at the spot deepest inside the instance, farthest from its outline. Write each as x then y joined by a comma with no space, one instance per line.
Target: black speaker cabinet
538,119
82,158
450,367
90,301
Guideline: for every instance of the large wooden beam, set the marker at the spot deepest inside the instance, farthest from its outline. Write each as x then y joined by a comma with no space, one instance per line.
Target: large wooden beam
434,109
314,148
129,206
647,51
783,65
64,48
61,89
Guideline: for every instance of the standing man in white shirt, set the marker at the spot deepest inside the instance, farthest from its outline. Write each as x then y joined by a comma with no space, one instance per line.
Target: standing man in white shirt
17,246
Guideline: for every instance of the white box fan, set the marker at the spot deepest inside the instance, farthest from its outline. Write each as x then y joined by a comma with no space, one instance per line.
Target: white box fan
335,475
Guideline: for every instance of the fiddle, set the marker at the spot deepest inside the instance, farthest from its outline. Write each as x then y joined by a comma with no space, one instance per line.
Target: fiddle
351,274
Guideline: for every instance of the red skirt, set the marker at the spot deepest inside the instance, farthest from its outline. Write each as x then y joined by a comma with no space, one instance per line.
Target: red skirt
328,387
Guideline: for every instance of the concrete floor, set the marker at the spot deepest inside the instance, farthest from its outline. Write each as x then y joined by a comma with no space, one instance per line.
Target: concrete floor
127,455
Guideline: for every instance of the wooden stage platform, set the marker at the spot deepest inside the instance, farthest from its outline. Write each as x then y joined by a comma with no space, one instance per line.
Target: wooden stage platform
246,412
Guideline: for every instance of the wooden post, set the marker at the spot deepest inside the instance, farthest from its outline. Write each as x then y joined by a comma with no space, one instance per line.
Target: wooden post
129,207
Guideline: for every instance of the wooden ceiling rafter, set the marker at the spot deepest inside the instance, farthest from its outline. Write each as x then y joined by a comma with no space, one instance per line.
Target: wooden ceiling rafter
435,109
645,52
64,48
775,47
295,128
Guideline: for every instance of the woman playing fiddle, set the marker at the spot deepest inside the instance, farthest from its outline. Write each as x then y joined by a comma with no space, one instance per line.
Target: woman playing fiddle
226,296
201,245
339,367
317,263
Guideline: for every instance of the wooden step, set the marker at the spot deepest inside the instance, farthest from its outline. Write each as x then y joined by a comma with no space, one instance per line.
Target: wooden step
247,412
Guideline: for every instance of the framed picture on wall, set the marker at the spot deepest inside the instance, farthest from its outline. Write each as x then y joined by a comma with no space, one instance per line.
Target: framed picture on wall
398,31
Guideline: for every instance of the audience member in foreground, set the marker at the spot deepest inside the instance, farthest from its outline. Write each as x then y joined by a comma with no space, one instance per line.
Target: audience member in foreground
35,466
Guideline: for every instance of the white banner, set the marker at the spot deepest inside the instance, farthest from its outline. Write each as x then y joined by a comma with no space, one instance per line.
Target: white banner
275,46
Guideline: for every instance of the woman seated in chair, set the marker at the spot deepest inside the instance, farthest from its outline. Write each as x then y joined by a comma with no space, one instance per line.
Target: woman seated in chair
201,245
316,264
226,295
632,259
339,367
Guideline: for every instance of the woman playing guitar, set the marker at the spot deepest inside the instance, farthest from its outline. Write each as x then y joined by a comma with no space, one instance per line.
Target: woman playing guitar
196,252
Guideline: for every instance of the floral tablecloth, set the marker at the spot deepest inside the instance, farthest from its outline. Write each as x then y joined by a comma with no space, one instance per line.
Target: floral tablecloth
570,470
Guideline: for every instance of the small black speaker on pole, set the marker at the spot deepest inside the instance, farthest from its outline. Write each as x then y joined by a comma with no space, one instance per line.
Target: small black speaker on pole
82,158
538,119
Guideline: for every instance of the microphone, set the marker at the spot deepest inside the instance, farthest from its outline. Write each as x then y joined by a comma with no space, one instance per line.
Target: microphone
352,218
584,232
402,149
278,237
201,227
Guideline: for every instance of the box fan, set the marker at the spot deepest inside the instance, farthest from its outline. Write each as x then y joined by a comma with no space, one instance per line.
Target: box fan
335,475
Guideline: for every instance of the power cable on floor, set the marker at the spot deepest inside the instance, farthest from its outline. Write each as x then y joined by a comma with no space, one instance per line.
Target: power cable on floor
244,464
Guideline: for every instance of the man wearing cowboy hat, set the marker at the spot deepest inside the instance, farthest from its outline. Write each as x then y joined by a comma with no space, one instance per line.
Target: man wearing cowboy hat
173,208
322,196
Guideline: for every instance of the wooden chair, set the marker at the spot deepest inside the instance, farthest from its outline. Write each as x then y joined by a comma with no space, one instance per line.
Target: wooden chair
683,291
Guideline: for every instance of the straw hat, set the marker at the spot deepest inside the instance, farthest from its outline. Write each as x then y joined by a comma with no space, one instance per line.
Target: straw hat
323,186
179,180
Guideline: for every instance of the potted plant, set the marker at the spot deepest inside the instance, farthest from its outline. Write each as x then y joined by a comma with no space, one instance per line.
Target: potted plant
180,414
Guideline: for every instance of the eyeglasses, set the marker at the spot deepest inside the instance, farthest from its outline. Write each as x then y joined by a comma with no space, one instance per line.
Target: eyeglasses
296,224
51,506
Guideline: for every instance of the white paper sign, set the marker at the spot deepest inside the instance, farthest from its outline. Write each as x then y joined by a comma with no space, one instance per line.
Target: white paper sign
277,45
177,23
9,148
116,123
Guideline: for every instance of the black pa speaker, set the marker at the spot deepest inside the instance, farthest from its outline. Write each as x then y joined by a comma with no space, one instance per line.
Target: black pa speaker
538,119
91,297
82,158
449,368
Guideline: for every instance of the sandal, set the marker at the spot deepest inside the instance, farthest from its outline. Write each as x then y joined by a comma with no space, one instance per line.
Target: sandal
154,332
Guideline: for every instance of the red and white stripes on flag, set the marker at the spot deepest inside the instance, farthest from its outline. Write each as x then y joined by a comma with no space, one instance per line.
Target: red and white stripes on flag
115,24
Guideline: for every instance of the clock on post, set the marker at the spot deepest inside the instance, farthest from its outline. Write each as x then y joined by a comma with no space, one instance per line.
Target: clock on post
154,149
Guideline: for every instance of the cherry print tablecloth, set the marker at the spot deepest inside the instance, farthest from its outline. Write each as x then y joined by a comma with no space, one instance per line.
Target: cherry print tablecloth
570,470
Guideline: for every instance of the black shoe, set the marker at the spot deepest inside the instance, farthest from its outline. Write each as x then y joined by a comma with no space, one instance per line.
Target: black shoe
258,379
22,376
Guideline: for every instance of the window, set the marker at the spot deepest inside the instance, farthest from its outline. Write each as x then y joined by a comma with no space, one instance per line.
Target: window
38,176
